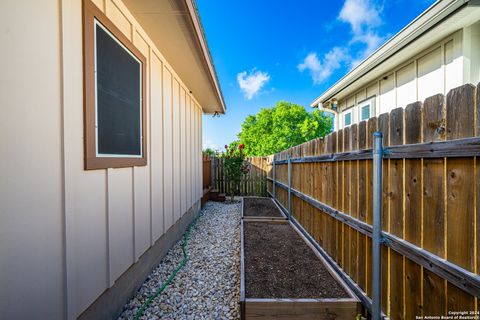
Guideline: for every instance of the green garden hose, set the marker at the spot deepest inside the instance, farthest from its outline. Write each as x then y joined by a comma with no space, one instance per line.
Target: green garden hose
180,266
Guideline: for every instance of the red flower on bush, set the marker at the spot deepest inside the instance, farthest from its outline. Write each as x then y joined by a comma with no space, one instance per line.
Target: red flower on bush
235,166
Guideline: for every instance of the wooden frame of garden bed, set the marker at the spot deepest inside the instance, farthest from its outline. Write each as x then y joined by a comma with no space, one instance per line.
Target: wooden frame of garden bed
283,217
287,308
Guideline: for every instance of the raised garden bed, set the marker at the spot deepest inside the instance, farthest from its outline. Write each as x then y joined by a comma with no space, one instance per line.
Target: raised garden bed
284,277
261,208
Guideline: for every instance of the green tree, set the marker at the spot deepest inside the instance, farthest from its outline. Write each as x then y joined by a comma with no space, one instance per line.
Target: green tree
209,152
283,126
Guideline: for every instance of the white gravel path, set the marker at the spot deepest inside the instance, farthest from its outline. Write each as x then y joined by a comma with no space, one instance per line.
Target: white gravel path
208,286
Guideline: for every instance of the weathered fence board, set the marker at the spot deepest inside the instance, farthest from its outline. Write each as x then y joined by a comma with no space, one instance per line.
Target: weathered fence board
339,227
362,205
253,183
434,287
430,202
207,172
460,193
354,203
413,211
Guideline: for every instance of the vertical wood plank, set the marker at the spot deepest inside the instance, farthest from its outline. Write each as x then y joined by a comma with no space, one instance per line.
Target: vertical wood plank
340,197
308,211
317,192
302,203
434,287
296,182
309,191
354,203
346,200
433,190
362,205
396,216
460,193
328,189
220,174
384,128
396,174
460,109
413,211
333,197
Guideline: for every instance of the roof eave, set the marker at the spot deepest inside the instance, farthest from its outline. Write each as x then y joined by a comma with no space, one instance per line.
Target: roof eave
194,15
429,18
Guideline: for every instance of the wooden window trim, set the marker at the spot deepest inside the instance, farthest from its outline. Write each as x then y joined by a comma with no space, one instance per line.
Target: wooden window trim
91,160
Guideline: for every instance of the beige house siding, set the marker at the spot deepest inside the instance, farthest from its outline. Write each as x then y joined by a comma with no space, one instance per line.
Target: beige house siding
443,66
67,234
31,175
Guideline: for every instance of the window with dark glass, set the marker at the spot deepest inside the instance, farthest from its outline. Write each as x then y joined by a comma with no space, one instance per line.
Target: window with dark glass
114,95
118,97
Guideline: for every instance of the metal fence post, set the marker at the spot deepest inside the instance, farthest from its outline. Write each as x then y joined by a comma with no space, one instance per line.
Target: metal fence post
377,226
289,163
274,181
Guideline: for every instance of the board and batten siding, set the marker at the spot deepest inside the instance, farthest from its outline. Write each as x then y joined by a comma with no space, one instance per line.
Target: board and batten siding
436,70
31,170
67,234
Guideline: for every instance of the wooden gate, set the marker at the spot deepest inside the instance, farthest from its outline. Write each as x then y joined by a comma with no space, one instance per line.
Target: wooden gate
254,183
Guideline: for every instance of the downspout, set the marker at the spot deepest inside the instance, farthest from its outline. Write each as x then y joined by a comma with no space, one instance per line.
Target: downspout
333,110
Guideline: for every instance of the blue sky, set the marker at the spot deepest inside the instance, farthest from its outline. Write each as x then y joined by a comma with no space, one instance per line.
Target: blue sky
266,51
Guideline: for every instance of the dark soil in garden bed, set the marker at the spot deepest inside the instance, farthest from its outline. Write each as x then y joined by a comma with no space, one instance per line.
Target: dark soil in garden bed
260,207
279,264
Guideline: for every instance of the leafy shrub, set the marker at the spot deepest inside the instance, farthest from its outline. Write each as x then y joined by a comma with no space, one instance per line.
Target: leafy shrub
235,166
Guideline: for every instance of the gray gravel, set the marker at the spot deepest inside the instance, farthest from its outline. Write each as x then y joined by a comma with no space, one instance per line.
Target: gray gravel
208,286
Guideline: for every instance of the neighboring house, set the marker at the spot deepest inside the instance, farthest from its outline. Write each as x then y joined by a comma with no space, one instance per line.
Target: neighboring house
100,135
436,52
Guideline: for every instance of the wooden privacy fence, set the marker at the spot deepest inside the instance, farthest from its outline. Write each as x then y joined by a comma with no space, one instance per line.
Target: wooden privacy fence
254,183
430,203
207,172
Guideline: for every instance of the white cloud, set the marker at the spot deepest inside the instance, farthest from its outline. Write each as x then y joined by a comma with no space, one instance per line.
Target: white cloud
371,41
363,16
360,14
251,83
331,61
